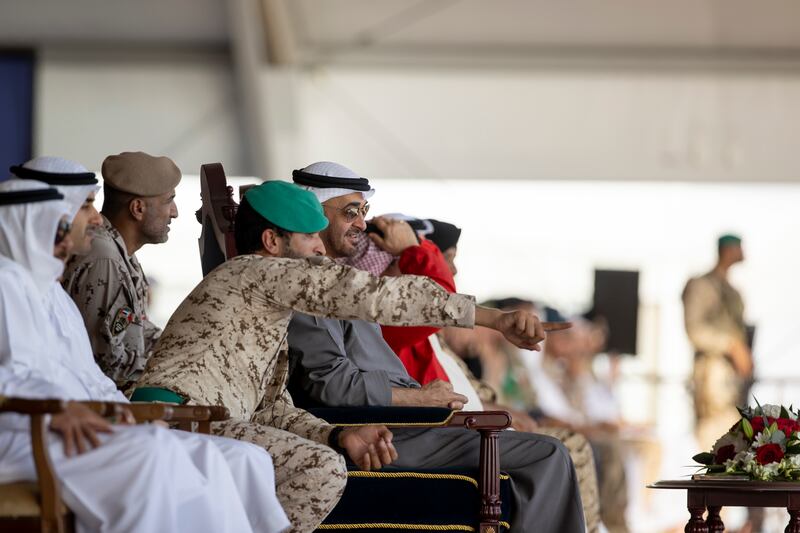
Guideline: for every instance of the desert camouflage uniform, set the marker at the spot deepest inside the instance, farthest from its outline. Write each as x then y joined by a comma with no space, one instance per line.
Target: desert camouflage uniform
714,318
226,345
110,290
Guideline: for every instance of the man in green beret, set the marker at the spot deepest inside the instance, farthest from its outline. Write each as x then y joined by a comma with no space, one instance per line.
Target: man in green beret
723,364
108,283
226,343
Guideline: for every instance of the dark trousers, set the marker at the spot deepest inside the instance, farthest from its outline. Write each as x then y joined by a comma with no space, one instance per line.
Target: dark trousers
544,485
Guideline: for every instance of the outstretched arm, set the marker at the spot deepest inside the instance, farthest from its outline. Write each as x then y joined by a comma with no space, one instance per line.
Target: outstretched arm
520,328
322,287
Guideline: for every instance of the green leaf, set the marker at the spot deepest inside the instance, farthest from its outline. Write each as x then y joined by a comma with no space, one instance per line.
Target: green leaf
784,412
764,416
773,428
793,449
704,458
747,429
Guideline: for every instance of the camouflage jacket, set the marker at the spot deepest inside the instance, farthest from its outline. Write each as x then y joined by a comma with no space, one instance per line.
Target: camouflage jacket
713,314
110,290
226,343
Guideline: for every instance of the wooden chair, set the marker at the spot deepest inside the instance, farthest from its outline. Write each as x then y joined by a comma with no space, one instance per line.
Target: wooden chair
37,506
217,244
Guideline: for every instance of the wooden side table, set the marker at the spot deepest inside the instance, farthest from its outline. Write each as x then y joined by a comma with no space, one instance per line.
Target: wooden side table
716,494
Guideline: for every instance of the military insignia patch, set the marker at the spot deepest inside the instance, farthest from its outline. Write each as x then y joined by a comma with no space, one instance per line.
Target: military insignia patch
123,319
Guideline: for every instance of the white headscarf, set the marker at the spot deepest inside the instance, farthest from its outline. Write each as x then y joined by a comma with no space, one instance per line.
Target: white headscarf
334,170
27,232
74,195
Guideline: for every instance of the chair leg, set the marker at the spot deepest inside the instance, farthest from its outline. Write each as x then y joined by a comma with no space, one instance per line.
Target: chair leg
489,483
50,491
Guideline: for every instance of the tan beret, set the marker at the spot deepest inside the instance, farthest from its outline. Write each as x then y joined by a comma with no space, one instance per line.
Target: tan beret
140,173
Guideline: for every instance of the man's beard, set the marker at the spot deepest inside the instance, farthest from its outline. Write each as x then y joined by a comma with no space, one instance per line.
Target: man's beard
155,232
348,248
292,254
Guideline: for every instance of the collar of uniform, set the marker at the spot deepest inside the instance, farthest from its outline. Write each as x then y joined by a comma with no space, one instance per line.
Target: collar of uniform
112,233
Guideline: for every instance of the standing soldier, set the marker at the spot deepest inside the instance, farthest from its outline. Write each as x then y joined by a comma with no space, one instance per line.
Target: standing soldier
108,284
723,364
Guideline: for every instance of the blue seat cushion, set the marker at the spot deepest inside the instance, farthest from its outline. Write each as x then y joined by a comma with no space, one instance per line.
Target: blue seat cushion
420,500
392,416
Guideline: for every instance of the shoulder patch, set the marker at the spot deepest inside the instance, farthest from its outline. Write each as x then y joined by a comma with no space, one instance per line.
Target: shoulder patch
123,319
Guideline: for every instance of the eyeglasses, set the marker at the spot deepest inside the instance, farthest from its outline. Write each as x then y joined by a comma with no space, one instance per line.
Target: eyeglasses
64,227
352,212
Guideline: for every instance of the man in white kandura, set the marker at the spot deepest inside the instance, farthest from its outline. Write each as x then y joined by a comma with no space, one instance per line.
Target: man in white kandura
123,478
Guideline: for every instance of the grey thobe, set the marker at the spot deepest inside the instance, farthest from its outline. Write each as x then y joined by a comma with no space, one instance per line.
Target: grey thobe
347,363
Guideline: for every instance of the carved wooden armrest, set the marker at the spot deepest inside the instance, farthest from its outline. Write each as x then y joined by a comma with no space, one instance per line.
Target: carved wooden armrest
30,407
185,415
481,420
182,415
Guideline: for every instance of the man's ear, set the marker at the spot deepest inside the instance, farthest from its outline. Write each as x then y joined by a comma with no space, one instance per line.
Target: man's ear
271,242
137,208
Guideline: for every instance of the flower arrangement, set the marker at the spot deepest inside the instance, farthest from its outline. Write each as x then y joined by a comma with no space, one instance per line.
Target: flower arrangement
763,445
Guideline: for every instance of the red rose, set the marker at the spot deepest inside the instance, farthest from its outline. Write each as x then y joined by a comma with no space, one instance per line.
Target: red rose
758,424
787,425
769,453
724,453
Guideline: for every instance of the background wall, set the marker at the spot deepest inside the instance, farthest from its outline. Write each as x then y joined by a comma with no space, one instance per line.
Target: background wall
431,124
173,102
602,124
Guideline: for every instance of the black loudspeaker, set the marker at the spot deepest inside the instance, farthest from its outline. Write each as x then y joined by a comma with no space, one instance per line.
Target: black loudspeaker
616,300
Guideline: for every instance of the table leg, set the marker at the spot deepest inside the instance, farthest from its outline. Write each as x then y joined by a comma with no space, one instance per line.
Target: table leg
794,522
713,521
696,503
696,524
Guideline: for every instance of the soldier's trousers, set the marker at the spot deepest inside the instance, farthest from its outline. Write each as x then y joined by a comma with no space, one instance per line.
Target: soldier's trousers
582,457
544,485
309,477
608,450
716,391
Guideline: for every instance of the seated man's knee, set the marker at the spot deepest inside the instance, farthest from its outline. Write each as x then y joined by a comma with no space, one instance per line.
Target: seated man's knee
325,465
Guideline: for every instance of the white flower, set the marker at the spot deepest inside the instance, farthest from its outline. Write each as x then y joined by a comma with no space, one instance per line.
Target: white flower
771,410
776,437
744,457
766,472
736,438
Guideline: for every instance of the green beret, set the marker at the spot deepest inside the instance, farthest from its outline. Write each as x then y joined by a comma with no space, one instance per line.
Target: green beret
287,206
729,240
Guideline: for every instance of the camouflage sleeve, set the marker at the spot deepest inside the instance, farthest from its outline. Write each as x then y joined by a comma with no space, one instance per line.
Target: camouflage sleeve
117,336
699,299
280,412
322,287
151,335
